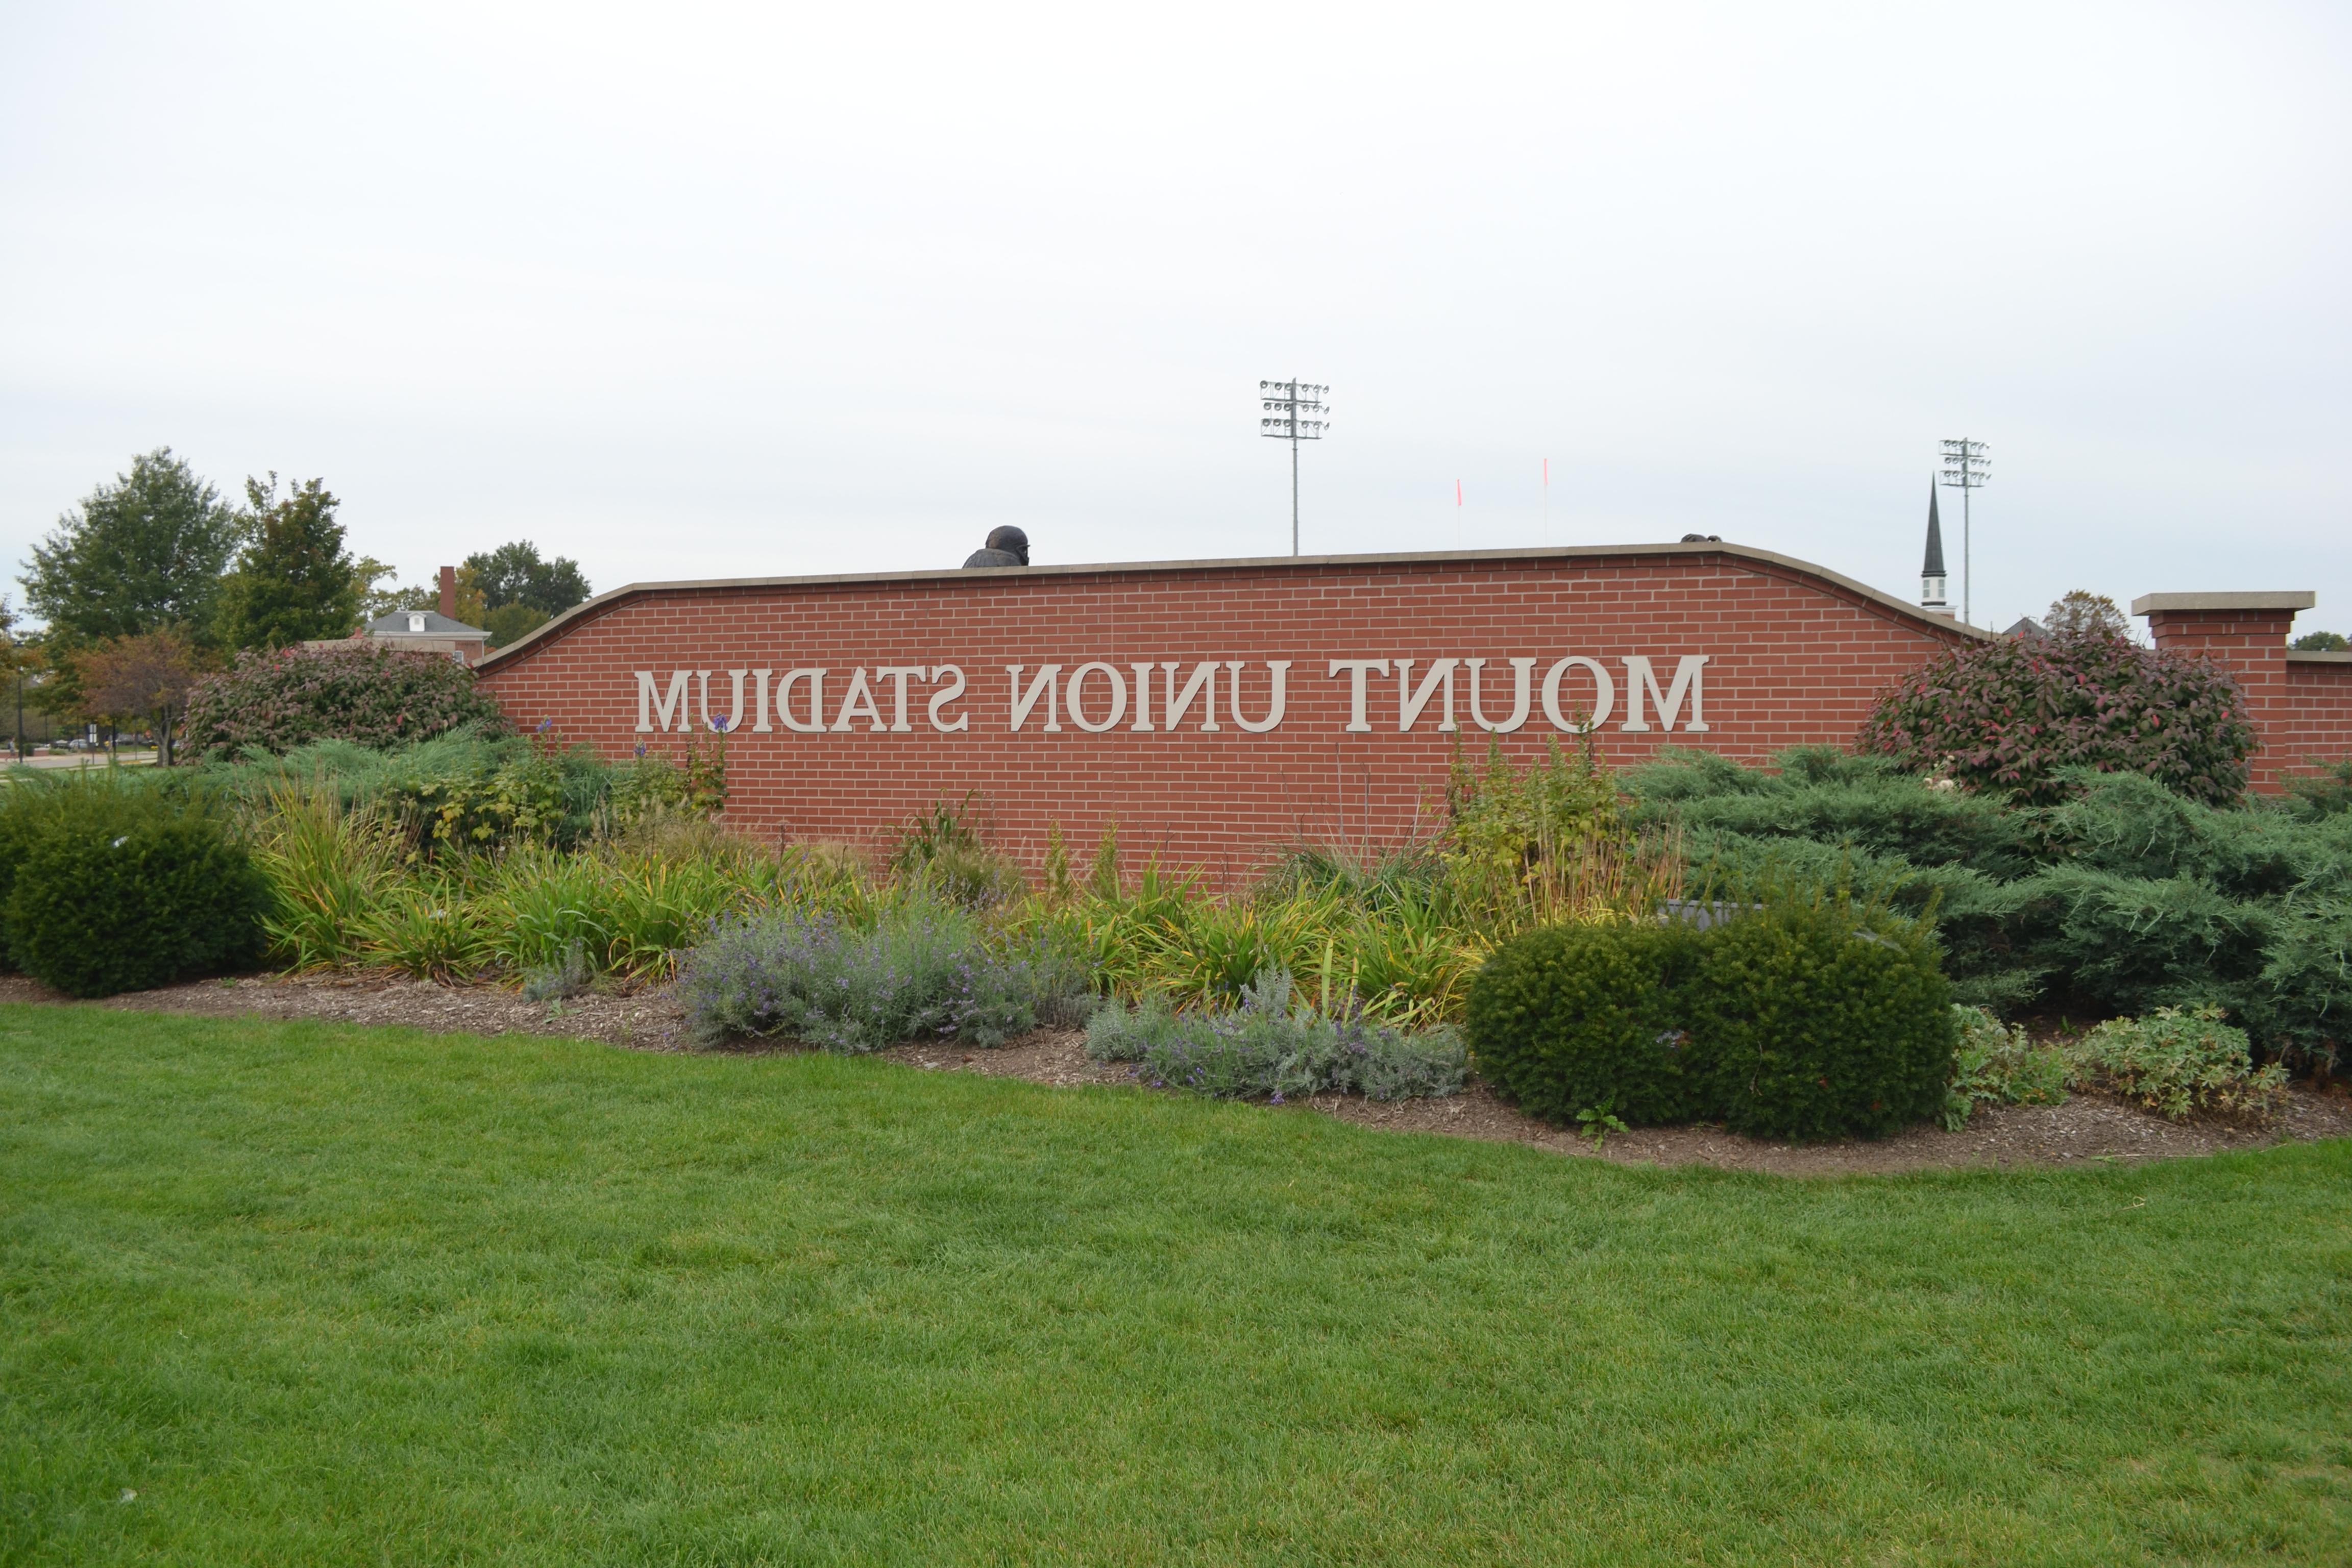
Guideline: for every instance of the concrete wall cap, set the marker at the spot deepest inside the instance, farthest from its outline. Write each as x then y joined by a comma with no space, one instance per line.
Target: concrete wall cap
1903,609
2149,604
2317,655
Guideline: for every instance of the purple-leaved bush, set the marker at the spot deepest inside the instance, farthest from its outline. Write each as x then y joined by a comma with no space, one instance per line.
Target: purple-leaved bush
360,691
2013,715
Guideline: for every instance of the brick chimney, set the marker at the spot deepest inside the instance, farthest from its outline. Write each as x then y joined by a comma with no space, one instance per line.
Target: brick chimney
2245,634
449,592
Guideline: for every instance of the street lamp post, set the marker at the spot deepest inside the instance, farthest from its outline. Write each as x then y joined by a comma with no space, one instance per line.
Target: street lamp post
1292,411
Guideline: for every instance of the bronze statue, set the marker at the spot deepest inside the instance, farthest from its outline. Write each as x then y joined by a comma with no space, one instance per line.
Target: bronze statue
1007,546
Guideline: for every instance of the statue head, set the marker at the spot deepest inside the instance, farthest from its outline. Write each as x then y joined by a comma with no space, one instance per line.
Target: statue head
1011,541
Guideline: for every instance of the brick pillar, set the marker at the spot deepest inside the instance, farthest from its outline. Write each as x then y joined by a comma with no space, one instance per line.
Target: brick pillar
2246,633
449,592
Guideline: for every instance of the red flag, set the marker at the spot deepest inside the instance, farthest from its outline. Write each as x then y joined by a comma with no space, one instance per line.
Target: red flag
1457,492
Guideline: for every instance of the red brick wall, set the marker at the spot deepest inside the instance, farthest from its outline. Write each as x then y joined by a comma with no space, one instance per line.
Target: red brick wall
2303,706
2314,720
1793,656
2250,644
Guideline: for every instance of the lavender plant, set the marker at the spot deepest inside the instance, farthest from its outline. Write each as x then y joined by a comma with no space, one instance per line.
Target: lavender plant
921,972
1270,1048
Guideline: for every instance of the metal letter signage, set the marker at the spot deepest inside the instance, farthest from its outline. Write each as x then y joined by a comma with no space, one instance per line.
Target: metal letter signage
1097,696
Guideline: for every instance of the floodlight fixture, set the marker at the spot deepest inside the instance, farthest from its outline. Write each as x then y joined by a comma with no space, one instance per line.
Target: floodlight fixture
1968,467
1293,411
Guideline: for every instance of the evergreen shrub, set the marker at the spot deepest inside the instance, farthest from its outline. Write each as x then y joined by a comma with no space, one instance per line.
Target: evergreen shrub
1827,816
28,804
1817,1020
1590,1017
1806,1016
2122,898
124,887
2325,790
356,690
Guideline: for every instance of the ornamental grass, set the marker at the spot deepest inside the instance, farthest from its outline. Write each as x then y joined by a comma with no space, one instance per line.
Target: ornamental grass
462,859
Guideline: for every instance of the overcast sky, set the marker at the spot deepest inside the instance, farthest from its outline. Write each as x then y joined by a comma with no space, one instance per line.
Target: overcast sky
687,292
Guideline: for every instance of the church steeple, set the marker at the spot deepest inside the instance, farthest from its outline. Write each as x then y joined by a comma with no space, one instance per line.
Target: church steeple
1931,570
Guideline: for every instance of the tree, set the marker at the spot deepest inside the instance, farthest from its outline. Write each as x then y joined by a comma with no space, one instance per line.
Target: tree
2086,614
379,601
294,580
143,553
2320,641
20,659
467,604
509,622
515,575
147,677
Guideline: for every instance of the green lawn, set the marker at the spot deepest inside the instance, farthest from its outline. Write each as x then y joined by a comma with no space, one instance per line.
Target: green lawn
336,1295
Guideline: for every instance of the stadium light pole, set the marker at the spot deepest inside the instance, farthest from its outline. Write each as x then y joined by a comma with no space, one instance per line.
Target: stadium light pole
1968,466
1292,411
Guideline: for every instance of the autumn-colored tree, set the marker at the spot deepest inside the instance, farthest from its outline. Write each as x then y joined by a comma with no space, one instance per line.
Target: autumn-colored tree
2082,614
21,661
144,677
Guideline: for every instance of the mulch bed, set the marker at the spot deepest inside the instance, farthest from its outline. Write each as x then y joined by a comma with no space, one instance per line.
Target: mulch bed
2088,1127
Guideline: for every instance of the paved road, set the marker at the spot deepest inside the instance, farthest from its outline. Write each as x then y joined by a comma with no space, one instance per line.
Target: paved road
80,758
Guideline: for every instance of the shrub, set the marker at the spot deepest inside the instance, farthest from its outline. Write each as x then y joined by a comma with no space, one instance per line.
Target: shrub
2179,1060
121,887
1062,985
1268,1049
466,791
2325,791
568,976
361,691
2124,897
1548,842
1590,1018
1803,1016
1998,1065
2014,714
30,802
1830,816
923,971
1120,1032
2157,901
1816,1020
